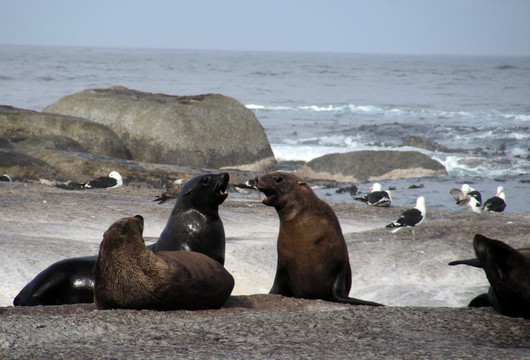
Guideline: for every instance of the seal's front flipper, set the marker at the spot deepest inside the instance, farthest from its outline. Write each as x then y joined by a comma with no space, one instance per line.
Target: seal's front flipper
471,262
481,300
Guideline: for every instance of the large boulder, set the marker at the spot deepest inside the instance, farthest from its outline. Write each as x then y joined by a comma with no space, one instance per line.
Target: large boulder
31,129
210,130
17,164
361,166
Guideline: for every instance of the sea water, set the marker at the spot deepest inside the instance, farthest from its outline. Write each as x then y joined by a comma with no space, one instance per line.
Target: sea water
310,104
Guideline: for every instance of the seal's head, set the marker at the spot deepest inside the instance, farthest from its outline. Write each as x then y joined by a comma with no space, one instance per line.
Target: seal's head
280,187
125,231
207,190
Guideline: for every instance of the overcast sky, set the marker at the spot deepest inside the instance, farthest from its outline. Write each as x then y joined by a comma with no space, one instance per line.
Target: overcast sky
477,27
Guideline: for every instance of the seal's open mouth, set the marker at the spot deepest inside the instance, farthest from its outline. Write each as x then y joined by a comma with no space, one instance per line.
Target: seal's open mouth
220,188
270,196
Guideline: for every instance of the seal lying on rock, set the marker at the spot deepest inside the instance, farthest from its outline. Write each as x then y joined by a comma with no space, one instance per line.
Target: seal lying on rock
130,276
68,281
194,225
508,272
313,261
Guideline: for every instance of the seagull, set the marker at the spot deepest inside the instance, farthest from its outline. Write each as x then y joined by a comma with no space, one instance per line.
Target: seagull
172,192
496,203
114,180
411,217
467,196
377,197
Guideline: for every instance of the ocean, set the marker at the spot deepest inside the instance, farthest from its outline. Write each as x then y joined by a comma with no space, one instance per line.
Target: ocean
477,109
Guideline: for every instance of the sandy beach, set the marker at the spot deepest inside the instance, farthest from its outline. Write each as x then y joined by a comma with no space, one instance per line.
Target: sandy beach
40,224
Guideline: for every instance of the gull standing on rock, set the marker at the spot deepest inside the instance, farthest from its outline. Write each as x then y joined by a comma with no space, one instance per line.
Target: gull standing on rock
496,203
411,217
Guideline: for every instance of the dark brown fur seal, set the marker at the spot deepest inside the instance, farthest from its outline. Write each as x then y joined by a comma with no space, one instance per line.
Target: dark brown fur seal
313,260
128,275
503,264
194,225
508,272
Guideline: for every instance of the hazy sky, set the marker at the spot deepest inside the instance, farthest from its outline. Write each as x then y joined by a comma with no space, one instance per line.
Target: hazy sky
478,27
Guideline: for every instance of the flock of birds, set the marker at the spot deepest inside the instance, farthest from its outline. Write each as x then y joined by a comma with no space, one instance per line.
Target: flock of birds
113,180
465,196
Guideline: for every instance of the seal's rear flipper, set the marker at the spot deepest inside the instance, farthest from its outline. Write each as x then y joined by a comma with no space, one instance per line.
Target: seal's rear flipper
339,296
353,301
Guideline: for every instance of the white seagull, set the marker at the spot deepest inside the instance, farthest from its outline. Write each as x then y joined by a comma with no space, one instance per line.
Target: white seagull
114,180
377,197
496,203
411,217
467,196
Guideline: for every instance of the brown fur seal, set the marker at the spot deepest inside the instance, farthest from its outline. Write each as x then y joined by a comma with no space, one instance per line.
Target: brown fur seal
313,260
194,225
128,275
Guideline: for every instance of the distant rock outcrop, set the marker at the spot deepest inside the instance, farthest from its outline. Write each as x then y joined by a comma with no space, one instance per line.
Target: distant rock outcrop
210,130
361,166
423,143
27,129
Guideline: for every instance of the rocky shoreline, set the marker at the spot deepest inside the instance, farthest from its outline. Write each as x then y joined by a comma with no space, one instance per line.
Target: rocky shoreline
40,224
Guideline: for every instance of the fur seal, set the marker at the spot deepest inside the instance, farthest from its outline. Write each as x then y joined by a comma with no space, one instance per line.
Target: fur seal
130,276
194,225
313,261
507,270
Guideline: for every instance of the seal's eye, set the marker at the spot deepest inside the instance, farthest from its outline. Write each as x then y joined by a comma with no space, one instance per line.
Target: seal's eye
205,180
278,179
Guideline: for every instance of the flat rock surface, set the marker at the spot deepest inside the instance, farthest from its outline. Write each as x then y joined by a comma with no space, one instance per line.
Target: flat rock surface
262,327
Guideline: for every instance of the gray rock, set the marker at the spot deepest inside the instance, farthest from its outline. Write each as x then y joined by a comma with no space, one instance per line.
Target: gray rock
37,142
93,137
210,130
361,166
262,327
17,164
423,143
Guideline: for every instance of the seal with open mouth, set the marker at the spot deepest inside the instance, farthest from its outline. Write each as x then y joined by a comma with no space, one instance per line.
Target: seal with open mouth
313,261
194,223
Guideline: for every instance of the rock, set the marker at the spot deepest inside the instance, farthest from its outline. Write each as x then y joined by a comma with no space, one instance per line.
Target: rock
37,142
92,137
18,164
362,166
210,130
423,143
